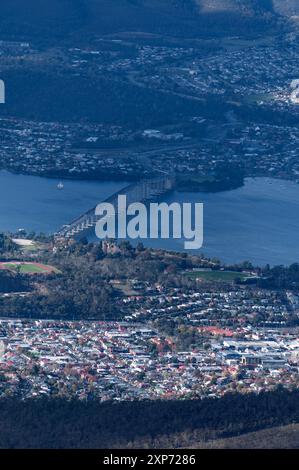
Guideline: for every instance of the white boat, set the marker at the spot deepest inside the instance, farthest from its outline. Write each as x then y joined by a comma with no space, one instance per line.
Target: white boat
60,185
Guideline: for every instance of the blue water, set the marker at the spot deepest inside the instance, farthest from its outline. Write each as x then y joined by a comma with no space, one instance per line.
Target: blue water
35,203
259,222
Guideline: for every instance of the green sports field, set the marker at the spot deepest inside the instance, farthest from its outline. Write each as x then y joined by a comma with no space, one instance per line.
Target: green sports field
29,268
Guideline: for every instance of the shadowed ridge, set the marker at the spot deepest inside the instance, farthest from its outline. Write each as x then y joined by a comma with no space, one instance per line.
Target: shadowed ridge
59,19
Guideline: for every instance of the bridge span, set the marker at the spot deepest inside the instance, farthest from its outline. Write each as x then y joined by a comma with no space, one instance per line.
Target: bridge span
144,191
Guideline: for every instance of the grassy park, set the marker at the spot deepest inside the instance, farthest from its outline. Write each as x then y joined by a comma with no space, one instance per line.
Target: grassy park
28,268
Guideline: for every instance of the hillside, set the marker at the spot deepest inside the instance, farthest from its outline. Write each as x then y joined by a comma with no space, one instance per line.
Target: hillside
51,423
283,437
21,19
115,98
60,18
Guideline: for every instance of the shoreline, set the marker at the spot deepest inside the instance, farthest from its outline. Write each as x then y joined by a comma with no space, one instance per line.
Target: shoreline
135,179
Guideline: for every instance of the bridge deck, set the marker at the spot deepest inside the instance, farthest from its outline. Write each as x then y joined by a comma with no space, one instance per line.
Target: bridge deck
143,191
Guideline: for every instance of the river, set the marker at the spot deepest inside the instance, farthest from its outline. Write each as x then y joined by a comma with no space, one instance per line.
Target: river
258,222
35,203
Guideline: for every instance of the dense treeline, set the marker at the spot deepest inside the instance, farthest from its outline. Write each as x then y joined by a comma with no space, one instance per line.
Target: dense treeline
278,437
7,245
46,423
12,283
224,178
281,277
94,98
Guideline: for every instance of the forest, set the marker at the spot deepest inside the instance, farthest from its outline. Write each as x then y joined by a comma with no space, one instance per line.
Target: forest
281,277
11,283
48,423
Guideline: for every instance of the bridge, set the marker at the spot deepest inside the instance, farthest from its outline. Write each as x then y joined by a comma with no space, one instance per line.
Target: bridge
144,191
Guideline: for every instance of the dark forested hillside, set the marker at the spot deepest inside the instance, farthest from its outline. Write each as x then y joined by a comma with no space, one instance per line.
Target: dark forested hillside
46,423
281,437
33,18
58,19
12,283
36,18
47,87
